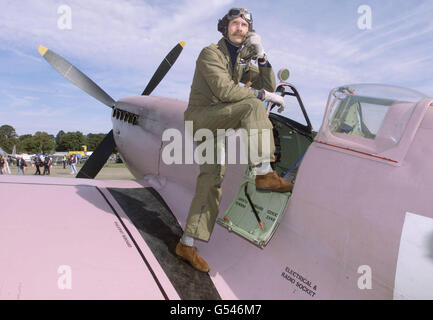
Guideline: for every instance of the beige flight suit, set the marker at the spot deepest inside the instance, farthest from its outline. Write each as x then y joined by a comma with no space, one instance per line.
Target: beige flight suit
217,101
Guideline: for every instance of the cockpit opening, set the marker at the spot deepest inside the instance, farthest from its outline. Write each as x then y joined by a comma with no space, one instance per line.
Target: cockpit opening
253,214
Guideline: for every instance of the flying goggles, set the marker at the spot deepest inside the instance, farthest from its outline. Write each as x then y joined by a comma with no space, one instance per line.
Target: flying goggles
240,12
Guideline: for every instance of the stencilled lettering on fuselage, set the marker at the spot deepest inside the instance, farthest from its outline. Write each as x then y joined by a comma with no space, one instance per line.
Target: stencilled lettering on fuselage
270,215
300,282
238,203
125,238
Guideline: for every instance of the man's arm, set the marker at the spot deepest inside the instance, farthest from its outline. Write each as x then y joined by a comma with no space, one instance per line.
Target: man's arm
262,77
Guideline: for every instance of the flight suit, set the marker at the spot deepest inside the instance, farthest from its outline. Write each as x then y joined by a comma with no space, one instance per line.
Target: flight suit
217,101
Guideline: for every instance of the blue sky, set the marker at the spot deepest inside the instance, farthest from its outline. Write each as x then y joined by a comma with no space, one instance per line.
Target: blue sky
119,44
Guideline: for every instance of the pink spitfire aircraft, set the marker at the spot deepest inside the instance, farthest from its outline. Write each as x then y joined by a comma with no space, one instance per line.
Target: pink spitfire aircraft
358,224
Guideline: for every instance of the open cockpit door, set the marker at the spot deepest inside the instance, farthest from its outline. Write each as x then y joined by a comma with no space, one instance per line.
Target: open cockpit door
255,215
259,224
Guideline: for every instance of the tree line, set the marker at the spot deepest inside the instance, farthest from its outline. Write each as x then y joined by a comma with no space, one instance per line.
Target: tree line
42,142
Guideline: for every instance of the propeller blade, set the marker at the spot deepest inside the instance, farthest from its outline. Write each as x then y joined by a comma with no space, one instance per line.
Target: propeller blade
107,146
163,68
98,158
76,76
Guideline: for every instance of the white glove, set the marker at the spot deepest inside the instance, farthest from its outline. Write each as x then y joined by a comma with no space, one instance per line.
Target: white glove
274,98
254,41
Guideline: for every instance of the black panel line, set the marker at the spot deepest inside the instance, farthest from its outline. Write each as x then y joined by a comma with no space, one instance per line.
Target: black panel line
136,246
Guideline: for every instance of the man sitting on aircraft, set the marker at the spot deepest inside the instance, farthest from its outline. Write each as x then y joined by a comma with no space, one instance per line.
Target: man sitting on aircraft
217,101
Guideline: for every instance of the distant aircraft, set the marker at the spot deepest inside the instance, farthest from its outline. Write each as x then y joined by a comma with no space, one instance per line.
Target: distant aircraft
358,224
2,152
14,155
26,157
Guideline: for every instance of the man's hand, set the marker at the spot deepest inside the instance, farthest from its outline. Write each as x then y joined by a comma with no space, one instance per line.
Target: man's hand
253,40
274,98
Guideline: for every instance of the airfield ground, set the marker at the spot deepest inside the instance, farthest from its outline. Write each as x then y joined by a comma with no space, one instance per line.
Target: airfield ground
112,171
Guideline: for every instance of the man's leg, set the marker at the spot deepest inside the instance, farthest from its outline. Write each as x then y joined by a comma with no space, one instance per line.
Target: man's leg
247,114
203,211
205,204
261,149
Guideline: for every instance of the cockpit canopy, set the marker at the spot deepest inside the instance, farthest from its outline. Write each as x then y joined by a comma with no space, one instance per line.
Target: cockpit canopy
371,118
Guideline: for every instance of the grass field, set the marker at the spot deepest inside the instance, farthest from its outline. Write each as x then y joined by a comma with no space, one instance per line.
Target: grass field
111,171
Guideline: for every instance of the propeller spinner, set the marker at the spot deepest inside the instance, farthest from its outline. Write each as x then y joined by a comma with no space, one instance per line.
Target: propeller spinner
107,146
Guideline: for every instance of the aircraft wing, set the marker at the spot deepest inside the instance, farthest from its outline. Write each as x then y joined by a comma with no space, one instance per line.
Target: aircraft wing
66,238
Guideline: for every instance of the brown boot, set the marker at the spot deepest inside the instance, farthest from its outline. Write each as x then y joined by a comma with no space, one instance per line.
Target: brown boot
273,182
190,254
